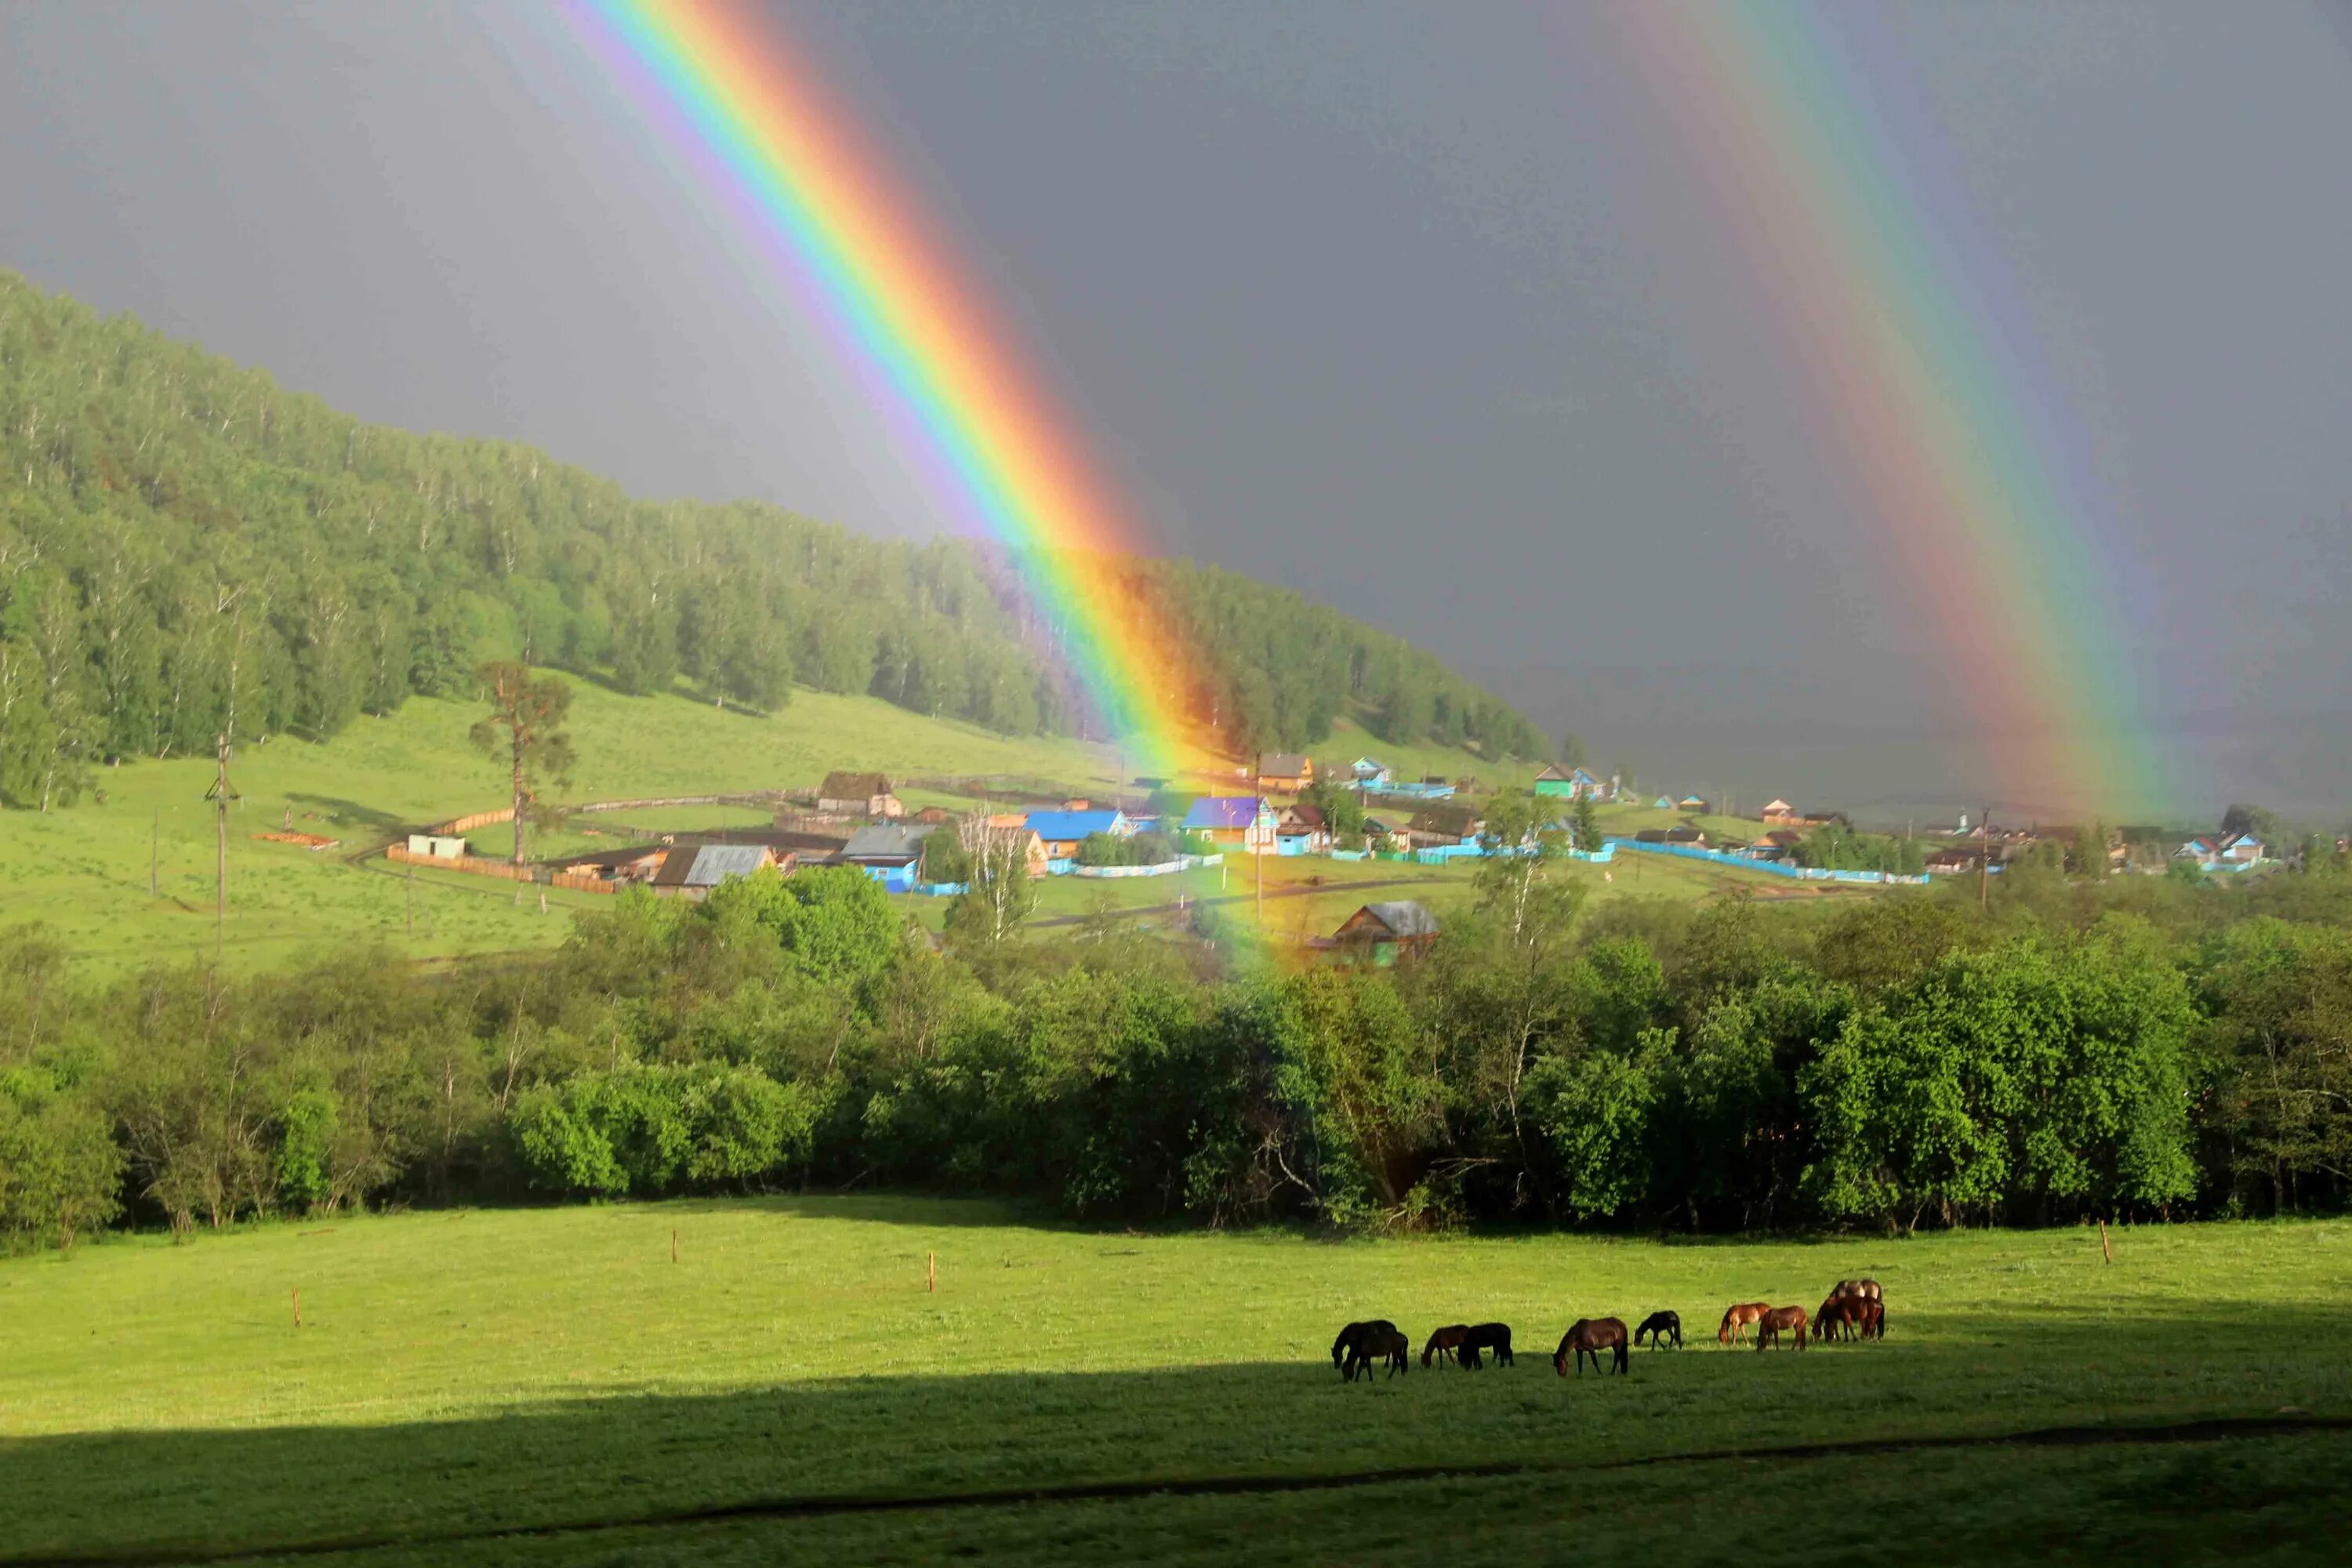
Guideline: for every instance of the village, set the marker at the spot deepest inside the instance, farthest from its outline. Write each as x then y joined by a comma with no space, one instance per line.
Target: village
1322,826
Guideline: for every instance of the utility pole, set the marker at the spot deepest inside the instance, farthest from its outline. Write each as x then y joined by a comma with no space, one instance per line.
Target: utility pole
408,894
220,794
1257,803
1984,863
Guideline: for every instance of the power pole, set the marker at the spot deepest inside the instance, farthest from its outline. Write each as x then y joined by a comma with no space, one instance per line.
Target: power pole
220,794
1984,863
1257,803
408,894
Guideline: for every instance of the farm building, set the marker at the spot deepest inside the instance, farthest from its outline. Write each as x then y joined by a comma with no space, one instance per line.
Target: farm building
1434,826
1246,821
437,846
1370,773
858,794
1063,831
1690,803
1284,772
691,870
1387,930
1664,803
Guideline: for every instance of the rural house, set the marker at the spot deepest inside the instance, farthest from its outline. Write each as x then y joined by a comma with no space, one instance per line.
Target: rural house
1301,830
1386,930
858,794
1063,831
1246,821
1284,772
1690,803
436,846
1032,848
887,852
1370,773
1574,783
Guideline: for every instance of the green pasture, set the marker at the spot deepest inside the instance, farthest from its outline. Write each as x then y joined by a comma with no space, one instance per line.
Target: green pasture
460,1376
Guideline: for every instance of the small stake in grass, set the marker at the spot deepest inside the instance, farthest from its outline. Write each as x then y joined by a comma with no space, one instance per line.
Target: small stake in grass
933,1283
297,1306
2102,1239
673,1247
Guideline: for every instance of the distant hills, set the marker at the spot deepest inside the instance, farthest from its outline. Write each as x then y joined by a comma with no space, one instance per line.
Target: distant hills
187,548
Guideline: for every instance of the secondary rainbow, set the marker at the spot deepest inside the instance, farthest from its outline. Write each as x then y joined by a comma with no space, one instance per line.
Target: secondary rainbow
733,96
1916,369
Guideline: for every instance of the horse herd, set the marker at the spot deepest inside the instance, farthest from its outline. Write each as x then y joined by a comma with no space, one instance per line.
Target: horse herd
1856,1310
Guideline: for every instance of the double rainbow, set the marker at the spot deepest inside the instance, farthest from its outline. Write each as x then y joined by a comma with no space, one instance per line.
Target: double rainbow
738,99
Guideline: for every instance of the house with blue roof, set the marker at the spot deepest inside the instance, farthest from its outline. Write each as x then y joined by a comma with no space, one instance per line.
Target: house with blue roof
1575,783
1064,831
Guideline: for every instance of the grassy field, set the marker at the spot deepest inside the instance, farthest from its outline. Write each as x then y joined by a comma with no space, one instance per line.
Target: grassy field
84,872
461,1377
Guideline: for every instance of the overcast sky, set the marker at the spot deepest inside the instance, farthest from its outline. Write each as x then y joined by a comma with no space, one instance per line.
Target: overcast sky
1404,306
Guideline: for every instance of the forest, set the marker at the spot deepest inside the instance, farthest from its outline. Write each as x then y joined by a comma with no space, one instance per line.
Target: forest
2135,1046
187,550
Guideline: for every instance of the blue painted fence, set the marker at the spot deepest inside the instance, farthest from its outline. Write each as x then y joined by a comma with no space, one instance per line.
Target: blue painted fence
1777,869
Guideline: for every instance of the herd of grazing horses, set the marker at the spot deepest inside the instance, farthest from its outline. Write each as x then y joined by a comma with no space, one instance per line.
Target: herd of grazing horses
1856,1310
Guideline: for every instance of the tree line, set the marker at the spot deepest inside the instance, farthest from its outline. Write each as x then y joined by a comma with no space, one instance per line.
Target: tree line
2131,1047
188,550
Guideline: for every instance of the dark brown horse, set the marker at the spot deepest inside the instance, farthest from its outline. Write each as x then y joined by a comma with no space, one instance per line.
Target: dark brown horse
1496,1337
1839,1317
1445,1342
1379,1344
1590,1337
1353,1335
1868,1320
1770,1327
1661,1327
1736,1319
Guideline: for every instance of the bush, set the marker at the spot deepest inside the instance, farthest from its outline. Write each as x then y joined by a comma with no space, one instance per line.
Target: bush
647,1130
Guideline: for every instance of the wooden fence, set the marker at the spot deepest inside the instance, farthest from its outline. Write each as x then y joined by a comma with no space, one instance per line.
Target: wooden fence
474,865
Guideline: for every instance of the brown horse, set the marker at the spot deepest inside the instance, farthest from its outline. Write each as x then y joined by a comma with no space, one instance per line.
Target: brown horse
1496,1337
1737,1318
1353,1335
1590,1337
1869,1321
1446,1342
1377,1344
1770,1326
1840,1315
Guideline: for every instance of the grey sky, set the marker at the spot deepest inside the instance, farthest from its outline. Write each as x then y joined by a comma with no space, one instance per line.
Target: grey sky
1408,307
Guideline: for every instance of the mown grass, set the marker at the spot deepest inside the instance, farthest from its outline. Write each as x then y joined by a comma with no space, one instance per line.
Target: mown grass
467,1372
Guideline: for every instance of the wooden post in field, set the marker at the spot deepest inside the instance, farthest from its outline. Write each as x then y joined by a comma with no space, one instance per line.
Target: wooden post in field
297,1306
154,850
2103,1248
933,1281
673,1247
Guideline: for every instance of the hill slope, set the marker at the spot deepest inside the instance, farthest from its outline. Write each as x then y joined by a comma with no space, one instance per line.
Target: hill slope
187,548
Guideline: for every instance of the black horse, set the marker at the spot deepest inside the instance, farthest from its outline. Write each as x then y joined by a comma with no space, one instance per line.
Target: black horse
1351,1336
1496,1337
1379,1342
1661,1327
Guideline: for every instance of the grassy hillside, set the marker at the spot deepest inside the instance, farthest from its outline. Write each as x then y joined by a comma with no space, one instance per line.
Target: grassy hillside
84,871
460,1374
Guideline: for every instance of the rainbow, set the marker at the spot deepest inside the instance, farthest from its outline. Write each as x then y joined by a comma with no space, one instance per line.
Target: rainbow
735,98
1912,364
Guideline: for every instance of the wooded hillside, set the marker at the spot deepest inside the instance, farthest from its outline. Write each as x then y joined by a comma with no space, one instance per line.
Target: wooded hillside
186,548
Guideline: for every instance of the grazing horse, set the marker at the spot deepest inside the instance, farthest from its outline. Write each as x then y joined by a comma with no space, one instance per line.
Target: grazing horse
1869,1320
1769,1326
1444,1342
1846,1314
1353,1335
1496,1337
1590,1337
1379,1342
1736,1319
1661,1327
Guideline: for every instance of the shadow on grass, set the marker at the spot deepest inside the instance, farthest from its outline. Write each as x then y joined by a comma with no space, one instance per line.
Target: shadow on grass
613,1456
349,814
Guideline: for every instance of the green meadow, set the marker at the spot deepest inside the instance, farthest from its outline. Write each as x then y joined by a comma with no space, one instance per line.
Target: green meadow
560,1385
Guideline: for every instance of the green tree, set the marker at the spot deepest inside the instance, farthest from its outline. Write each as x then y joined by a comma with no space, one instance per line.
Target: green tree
524,729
